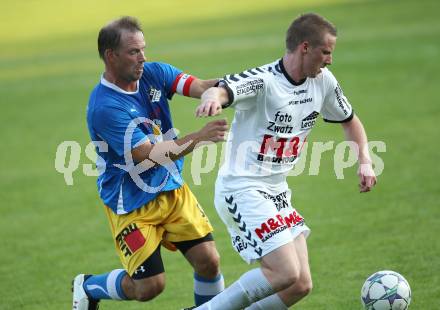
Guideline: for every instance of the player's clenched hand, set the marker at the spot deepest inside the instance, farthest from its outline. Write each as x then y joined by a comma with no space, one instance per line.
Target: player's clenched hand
367,177
214,131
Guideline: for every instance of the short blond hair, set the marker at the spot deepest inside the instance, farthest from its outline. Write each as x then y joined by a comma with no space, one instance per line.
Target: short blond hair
309,27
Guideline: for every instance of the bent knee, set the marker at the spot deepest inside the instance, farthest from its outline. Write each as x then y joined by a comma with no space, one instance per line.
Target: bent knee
146,293
282,278
303,288
289,278
210,266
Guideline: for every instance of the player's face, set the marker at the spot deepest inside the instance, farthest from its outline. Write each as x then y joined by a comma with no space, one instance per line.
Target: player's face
130,56
319,57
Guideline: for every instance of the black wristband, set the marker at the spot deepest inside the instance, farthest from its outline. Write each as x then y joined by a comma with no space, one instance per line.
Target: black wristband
230,97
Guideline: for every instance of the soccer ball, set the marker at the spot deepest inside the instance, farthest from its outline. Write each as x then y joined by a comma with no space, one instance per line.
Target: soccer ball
386,290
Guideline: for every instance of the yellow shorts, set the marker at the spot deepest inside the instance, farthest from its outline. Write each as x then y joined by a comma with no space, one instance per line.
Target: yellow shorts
172,216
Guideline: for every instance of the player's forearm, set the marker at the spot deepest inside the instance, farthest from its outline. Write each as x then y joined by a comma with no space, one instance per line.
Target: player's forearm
174,149
198,87
162,153
218,94
354,131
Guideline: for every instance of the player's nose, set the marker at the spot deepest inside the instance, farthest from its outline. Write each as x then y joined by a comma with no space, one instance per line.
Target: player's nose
142,57
329,60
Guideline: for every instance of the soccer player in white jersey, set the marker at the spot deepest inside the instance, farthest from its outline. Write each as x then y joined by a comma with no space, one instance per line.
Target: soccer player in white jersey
276,106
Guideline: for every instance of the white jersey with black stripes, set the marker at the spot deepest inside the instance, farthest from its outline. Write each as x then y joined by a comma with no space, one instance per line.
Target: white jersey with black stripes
273,116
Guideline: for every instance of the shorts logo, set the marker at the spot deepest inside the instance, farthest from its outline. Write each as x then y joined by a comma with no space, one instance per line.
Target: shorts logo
278,224
130,239
239,244
141,269
280,200
309,121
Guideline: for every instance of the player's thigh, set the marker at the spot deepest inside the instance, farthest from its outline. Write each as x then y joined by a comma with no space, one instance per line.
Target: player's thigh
136,239
282,262
293,255
303,285
300,244
186,219
288,267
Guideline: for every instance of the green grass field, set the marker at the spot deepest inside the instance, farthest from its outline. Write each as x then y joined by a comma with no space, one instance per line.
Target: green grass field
386,61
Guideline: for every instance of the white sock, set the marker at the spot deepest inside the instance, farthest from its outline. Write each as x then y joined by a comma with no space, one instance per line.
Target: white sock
273,302
205,289
251,287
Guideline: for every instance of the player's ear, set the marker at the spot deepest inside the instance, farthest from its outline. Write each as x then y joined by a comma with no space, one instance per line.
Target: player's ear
304,47
109,55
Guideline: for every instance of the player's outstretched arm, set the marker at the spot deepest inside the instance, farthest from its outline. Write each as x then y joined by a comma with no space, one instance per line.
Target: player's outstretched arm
199,86
163,152
354,131
212,101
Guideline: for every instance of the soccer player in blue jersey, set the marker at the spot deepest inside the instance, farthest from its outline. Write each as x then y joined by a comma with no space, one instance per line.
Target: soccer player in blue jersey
140,162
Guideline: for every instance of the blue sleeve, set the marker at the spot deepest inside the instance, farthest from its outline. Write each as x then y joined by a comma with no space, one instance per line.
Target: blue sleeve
169,76
112,123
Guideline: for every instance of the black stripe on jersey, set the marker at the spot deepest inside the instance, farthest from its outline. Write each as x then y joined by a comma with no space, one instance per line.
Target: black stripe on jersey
259,69
225,79
233,78
252,72
243,75
343,121
271,70
277,67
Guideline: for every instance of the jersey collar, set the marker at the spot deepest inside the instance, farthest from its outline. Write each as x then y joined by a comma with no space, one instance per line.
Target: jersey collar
117,88
288,77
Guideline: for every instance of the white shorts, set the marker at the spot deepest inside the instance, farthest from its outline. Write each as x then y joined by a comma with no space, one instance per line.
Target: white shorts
258,221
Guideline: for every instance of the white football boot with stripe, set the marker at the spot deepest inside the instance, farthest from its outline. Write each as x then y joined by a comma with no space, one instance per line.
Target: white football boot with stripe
81,300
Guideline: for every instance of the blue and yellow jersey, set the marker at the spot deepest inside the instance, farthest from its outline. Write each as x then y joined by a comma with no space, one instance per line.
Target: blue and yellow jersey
119,121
